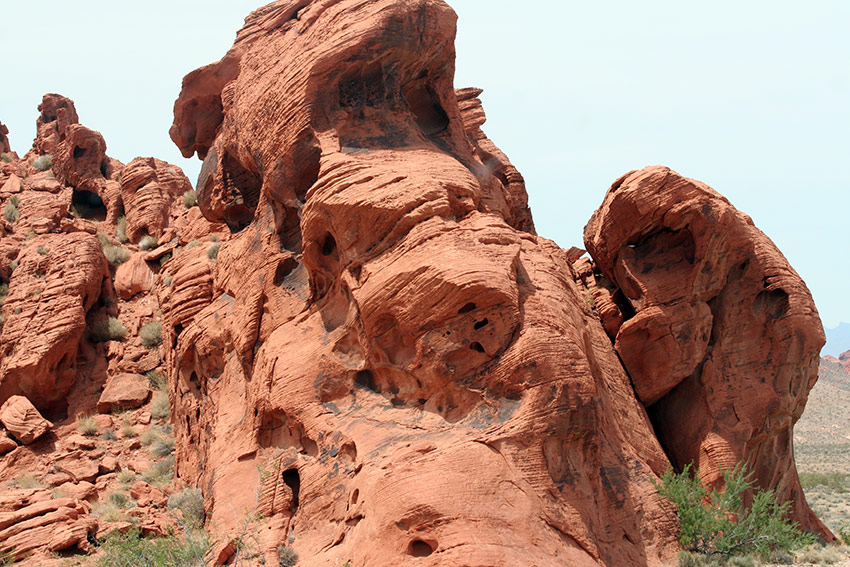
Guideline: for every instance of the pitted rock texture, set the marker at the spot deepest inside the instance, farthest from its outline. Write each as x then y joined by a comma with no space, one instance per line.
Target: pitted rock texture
150,188
722,338
59,278
57,113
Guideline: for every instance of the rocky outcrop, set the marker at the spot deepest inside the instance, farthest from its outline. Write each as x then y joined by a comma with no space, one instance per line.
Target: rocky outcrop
4,139
57,113
31,520
122,392
150,187
721,337
22,420
58,279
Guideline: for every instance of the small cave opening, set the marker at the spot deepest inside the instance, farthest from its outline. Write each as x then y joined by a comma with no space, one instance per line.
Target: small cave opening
476,346
466,308
242,186
293,480
481,324
426,108
79,152
419,548
365,379
284,268
87,205
328,245
104,170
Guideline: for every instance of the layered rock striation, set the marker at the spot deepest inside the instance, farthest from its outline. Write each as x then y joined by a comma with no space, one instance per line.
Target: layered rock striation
361,336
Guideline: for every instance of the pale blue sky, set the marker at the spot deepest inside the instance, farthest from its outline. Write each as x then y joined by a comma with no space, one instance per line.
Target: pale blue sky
752,98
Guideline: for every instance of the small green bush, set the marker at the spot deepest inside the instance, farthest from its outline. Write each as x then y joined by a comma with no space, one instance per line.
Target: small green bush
157,381
190,199
151,333
148,436
286,556
212,251
192,244
87,425
132,550
6,157
716,523
148,243
162,447
191,503
26,480
109,329
116,255
42,250
127,429
835,481
121,500
121,230
109,435
43,163
4,291
126,477
11,212
844,534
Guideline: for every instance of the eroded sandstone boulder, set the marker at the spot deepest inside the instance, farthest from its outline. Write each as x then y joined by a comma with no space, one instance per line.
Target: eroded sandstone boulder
30,522
721,337
59,278
22,420
149,188
122,392
57,113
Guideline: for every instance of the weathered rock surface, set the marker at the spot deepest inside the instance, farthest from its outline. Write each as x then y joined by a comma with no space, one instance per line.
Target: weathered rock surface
22,420
57,113
59,278
150,187
4,139
721,338
133,277
28,523
124,391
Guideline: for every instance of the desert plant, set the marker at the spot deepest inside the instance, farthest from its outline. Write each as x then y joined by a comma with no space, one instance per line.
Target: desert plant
286,556
715,522
148,436
87,425
168,279
148,242
108,512
126,476
121,500
26,480
121,230
4,291
151,333
6,157
844,534
160,406
132,550
190,502
109,435
157,381
43,163
11,212
162,447
212,251
127,429
192,244
116,255
161,472
819,554
42,250
190,199
109,329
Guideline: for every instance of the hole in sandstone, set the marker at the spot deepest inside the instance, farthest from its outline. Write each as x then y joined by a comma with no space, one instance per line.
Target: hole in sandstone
419,548
354,496
481,324
477,347
427,110
88,205
79,152
328,245
366,379
774,303
293,481
466,308
284,268
242,190
104,171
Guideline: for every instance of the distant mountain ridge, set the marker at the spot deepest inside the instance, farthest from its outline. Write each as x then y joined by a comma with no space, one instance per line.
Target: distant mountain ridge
837,340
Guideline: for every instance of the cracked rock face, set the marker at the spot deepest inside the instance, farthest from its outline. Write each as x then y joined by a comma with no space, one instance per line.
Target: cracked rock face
384,351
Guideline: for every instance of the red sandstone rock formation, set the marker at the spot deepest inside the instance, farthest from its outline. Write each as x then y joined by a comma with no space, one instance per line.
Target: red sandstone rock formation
844,358
4,139
363,337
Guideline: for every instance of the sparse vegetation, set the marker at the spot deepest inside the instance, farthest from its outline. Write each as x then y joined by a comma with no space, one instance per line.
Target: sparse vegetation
43,163
6,157
190,199
121,500
151,333
126,477
87,425
121,230
10,211
156,380
116,255
108,512
26,480
715,523
168,279
109,435
148,243
162,447
109,329
132,550
212,251
190,502
42,250
160,406
286,556
192,244
161,472
127,429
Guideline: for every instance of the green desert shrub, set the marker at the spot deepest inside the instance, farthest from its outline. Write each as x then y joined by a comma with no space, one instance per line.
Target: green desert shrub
11,212
116,255
819,554
121,500
163,446
132,550
6,157
26,480
192,244
42,250
160,406
126,477
43,163
87,425
190,502
190,199
109,329
148,243
717,523
212,251
151,333
109,435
